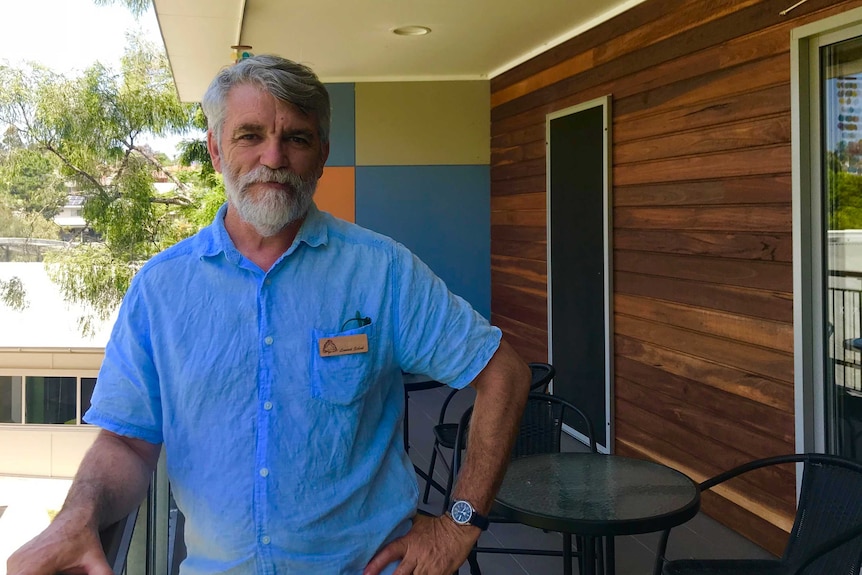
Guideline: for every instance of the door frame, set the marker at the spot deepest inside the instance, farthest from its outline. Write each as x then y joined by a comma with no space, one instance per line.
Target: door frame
607,230
809,329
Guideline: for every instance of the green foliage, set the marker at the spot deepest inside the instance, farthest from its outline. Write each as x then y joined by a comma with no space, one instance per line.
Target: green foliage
26,225
30,182
92,276
845,200
88,131
136,7
12,292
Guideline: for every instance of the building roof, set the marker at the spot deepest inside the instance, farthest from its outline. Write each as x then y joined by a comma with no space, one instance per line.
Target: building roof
47,322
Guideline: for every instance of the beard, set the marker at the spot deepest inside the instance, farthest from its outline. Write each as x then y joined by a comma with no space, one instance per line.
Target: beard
269,210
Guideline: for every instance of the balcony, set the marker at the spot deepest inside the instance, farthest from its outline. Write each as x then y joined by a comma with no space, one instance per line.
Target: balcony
156,545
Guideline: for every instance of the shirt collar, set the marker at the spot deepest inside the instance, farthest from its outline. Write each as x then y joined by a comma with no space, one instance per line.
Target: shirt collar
215,239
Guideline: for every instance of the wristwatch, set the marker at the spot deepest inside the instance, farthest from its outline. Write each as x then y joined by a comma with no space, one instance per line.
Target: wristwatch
463,513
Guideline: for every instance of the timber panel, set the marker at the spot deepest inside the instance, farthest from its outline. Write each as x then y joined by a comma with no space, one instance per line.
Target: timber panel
702,231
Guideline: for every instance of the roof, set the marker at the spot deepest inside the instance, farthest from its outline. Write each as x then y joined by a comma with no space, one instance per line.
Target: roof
354,41
47,321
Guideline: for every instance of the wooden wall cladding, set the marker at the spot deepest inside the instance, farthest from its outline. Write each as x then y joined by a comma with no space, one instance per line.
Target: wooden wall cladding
702,224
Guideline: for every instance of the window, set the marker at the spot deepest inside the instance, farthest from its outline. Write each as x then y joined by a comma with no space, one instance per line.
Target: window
88,384
11,405
45,400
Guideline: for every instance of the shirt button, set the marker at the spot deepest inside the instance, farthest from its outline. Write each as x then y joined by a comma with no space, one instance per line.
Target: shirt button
265,540
268,340
267,405
264,472
267,281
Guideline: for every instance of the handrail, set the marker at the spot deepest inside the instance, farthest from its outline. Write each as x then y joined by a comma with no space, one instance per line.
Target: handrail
116,540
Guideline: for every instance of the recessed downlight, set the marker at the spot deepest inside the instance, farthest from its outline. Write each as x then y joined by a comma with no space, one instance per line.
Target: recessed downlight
412,30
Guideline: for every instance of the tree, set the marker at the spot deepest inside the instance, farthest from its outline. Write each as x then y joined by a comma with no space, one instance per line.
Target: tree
88,130
136,7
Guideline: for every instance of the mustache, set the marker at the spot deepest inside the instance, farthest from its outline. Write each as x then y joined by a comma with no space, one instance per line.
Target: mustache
263,174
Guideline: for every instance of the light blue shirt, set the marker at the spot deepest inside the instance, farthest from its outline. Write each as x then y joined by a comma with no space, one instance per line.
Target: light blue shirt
283,460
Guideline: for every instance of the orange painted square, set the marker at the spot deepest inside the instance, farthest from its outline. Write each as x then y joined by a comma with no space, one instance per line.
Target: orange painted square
336,192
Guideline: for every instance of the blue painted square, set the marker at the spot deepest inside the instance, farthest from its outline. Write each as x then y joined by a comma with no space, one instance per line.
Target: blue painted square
442,213
342,135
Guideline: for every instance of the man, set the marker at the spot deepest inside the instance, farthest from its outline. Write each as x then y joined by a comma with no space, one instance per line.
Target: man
266,354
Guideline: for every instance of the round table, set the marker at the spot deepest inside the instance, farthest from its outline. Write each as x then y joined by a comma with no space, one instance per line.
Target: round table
596,495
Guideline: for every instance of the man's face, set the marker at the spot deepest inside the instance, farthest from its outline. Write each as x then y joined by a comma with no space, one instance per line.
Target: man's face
271,157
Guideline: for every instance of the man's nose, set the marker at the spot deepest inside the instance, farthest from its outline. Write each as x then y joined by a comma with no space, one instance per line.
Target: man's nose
273,155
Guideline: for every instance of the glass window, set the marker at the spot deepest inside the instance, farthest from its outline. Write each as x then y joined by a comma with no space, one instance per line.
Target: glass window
87,386
51,400
10,399
841,161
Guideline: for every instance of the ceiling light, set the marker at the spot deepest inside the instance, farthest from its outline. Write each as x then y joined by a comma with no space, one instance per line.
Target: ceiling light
412,30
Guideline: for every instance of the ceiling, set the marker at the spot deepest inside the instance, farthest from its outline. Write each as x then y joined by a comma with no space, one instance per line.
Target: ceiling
352,40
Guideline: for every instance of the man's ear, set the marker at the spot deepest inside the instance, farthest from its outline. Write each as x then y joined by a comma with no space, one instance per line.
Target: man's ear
215,153
324,155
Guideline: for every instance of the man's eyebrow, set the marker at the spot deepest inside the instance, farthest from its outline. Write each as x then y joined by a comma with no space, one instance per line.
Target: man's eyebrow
247,128
300,132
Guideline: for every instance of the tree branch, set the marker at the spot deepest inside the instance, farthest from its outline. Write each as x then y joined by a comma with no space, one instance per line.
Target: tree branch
75,168
180,186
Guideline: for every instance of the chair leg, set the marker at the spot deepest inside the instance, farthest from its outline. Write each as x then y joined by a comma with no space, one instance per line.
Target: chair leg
473,560
450,481
430,473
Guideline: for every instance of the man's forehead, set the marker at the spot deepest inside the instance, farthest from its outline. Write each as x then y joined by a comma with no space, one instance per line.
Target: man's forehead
251,99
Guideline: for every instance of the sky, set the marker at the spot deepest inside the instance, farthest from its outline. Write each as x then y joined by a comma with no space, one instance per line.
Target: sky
70,35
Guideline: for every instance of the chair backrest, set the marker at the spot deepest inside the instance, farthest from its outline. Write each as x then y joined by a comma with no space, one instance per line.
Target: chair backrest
540,430
542,374
829,504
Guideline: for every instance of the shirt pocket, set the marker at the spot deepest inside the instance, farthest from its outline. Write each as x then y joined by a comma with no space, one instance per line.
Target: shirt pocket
341,379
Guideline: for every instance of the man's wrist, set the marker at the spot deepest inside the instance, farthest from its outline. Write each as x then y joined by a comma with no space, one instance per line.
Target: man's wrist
464,514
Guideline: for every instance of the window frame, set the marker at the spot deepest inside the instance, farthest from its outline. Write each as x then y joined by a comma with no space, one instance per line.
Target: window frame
808,231
25,373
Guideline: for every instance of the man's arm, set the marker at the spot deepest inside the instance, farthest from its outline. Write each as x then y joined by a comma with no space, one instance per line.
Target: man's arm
111,481
439,545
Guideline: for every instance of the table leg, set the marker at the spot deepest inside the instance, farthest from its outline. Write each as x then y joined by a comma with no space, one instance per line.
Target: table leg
567,554
406,420
589,552
610,557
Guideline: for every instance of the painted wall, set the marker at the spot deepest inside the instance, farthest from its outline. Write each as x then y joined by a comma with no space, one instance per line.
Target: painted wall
411,160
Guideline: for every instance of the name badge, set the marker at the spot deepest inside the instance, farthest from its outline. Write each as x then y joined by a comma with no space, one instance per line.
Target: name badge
343,345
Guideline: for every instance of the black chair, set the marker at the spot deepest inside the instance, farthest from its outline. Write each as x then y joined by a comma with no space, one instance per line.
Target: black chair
444,433
827,533
540,432
116,540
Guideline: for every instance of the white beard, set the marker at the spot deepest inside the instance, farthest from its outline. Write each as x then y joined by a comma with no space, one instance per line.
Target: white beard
269,211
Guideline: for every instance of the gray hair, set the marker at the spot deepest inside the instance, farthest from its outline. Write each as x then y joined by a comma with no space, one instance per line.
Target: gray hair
283,78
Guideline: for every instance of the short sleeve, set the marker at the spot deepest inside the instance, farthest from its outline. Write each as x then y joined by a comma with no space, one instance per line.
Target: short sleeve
126,400
438,333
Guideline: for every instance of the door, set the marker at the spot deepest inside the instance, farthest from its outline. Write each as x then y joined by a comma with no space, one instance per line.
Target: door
579,281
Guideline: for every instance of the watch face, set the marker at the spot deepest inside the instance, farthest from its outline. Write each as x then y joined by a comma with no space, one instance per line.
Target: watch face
461,512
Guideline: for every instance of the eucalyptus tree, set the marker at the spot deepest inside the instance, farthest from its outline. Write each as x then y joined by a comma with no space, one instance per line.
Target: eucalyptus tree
89,131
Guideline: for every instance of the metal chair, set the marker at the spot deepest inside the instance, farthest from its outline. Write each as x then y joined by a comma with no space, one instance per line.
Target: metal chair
827,533
116,540
444,433
540,432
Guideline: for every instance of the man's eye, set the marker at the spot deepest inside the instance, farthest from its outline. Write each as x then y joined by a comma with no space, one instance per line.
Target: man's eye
247,137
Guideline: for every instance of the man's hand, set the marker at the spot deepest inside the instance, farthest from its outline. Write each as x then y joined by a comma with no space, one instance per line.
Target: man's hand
434,546
67,546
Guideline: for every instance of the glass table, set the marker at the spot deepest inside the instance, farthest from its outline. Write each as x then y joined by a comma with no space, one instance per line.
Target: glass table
595,496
